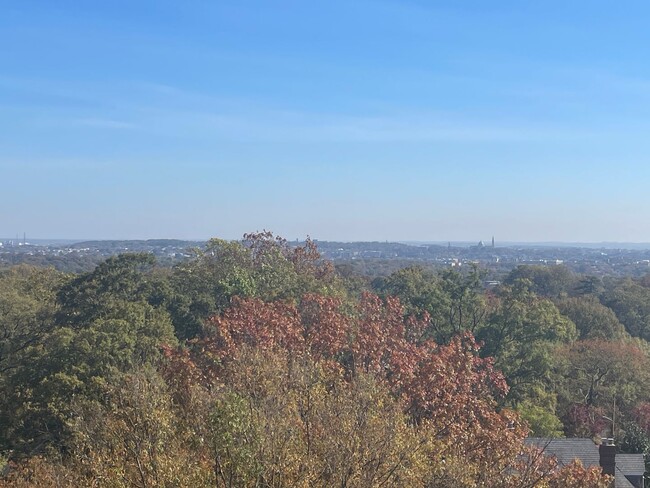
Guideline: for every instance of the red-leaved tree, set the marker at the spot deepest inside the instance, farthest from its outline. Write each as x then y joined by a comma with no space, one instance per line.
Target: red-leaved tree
448,392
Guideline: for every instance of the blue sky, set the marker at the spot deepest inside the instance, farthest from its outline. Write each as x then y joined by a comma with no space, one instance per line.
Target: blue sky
346,120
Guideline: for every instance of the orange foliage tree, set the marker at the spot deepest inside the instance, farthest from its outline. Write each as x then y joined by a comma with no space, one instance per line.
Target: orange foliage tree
448,392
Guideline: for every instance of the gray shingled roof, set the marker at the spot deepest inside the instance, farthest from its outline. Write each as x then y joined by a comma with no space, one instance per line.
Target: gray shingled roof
620,481
567,450
631,464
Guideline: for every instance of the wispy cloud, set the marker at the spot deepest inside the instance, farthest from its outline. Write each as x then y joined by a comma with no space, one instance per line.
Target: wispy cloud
159,109
103,123
56,164
276,125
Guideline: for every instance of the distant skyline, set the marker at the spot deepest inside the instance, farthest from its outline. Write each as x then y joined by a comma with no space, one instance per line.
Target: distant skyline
16,241
351,121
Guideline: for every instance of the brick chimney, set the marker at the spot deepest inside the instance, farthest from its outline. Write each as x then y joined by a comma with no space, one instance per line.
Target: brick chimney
607,452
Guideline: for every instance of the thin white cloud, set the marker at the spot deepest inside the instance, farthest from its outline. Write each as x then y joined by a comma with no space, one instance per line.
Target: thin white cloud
104,123
57,164
161,109
266,125
176,111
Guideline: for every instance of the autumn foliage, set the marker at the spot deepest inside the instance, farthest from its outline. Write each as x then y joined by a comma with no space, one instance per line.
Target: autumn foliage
443,397
252,365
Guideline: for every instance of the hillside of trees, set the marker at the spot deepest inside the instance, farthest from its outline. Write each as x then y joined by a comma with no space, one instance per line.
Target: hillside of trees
259,364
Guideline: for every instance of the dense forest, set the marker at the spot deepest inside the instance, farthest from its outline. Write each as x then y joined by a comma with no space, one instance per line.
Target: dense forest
259,364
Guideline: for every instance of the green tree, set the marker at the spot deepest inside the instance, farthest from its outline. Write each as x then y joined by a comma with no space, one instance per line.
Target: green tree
592,319
593,375
419,290
104,326
541,419
79,363
547,281
453,302
521,334
261,266
466,307
589,285
94,295
27,311
631,303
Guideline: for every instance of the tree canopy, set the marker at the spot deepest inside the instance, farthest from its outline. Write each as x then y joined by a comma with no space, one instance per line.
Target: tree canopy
258,363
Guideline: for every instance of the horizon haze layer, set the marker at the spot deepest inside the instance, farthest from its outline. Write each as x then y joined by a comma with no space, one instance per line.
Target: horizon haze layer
487,243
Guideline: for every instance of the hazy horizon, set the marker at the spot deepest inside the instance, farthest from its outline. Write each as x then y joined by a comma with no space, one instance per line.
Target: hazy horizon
357,121
464,243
